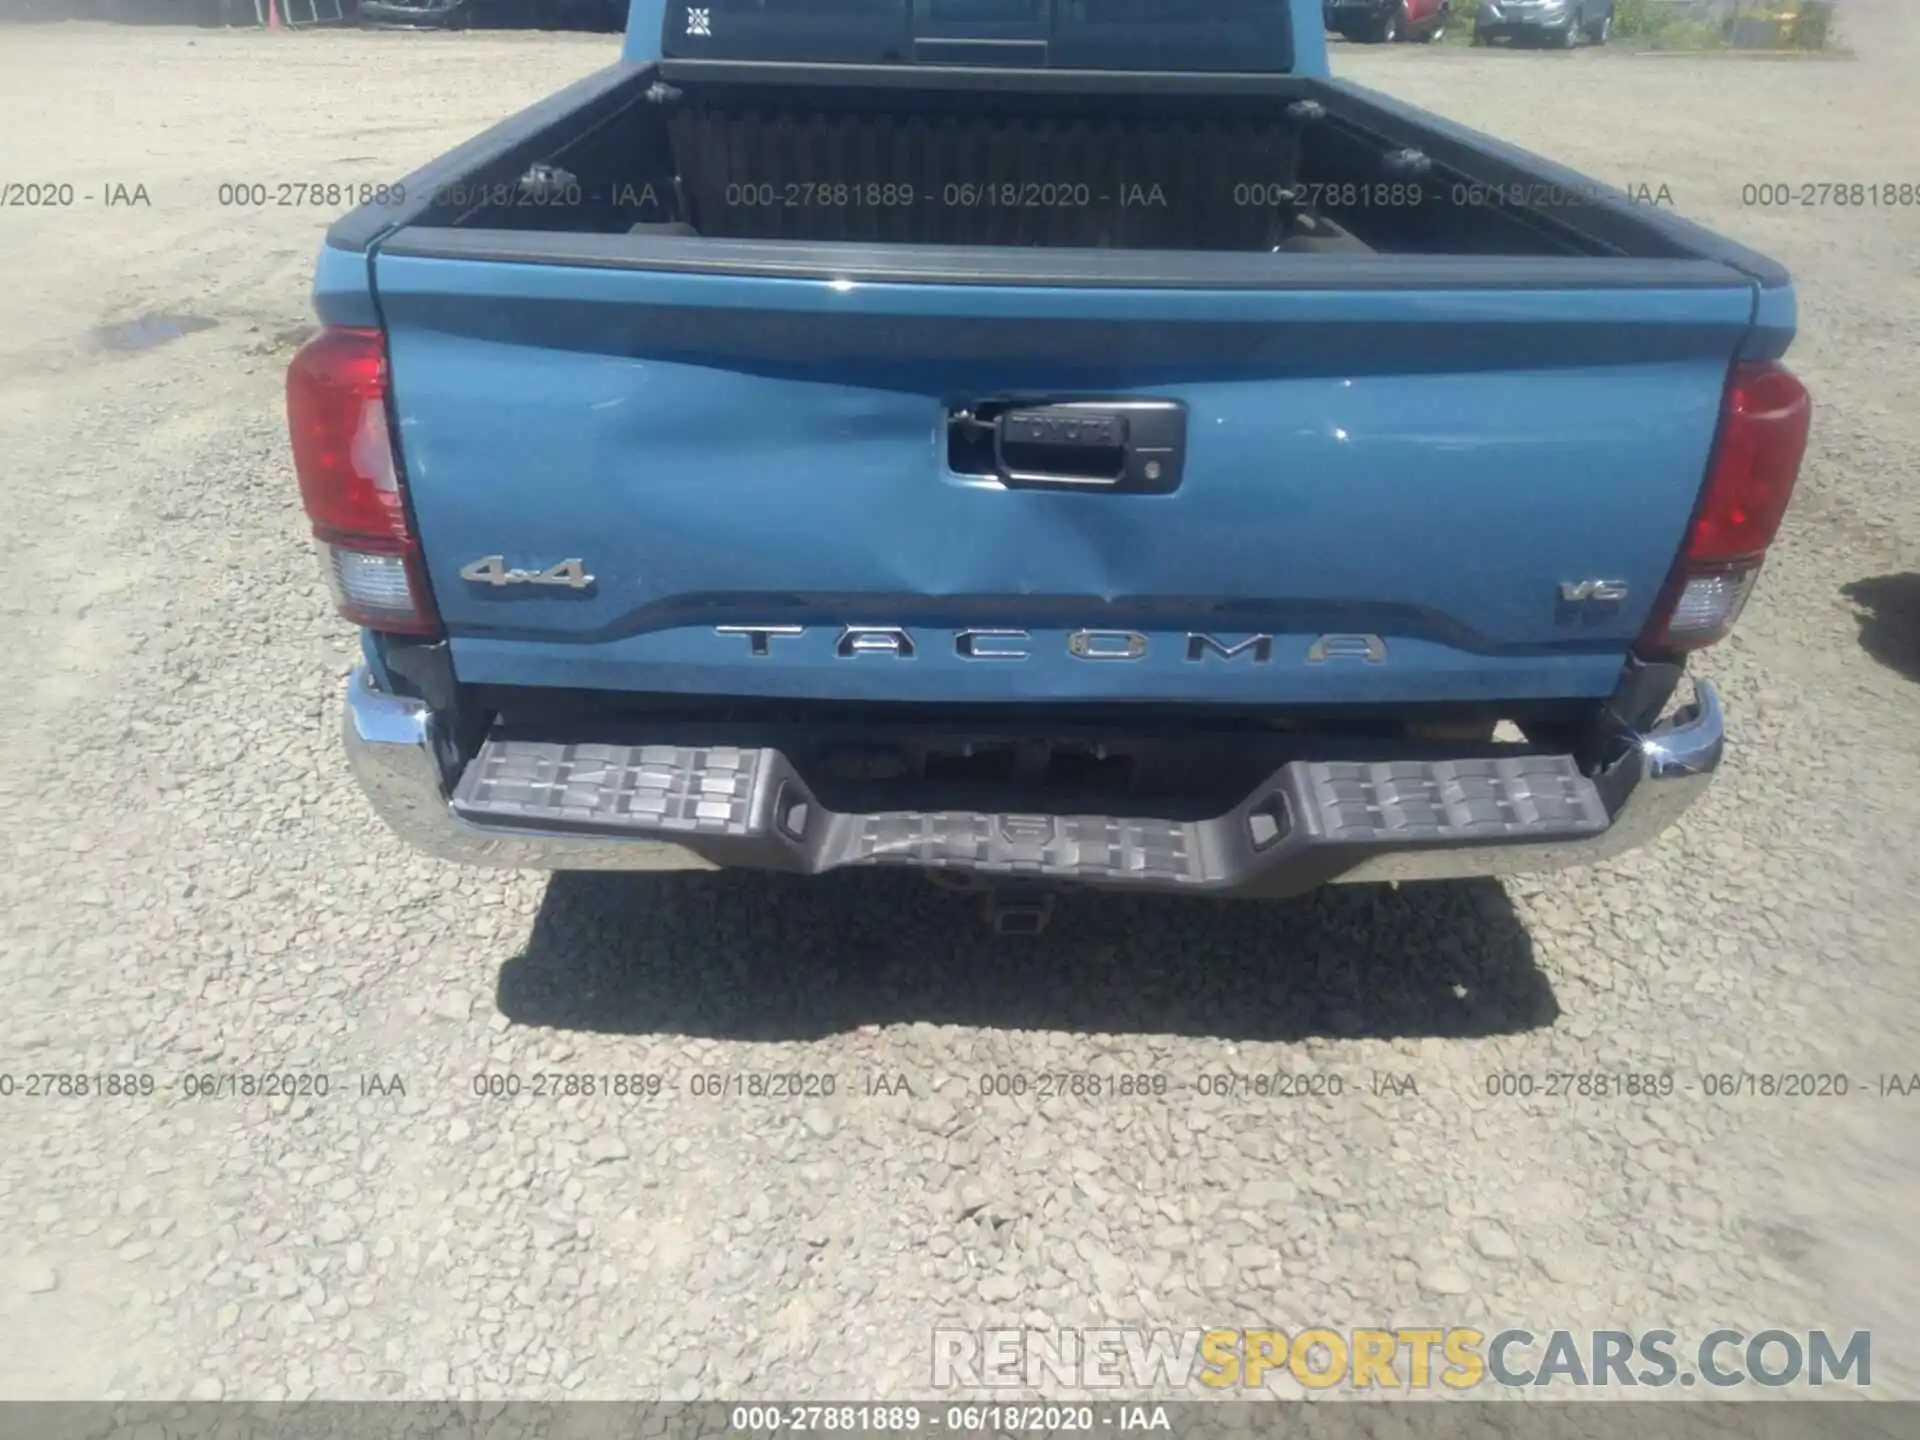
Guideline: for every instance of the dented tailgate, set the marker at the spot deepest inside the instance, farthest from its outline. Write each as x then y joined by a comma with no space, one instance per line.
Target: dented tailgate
748,468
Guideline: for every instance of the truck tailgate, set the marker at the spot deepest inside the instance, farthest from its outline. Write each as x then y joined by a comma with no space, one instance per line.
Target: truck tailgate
1418,471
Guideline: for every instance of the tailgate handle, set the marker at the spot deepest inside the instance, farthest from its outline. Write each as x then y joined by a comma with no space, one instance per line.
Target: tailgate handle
1120,445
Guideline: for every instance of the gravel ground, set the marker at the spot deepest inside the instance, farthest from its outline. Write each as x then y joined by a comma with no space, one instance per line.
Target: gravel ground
195,886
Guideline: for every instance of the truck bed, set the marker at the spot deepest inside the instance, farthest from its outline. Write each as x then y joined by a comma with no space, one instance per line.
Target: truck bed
663,153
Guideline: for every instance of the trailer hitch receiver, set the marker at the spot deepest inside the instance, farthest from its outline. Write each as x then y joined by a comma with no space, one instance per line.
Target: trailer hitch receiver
1018,911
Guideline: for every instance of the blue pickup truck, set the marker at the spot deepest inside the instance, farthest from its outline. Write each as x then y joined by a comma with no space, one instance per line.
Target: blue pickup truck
1038,442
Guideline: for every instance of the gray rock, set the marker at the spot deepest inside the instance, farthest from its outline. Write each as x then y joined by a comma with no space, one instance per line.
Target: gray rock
606,1146
936,1114
1445,1278
1493,1242
38,1278
998,1289
454,1005
1565,1266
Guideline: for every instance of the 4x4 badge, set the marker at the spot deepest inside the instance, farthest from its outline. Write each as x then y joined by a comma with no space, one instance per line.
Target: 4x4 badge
494,570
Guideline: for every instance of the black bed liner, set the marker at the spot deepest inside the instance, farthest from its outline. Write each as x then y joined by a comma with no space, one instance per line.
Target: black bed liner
1640,245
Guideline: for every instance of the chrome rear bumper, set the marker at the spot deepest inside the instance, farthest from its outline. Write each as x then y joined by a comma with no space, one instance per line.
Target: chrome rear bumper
1340,822
401,754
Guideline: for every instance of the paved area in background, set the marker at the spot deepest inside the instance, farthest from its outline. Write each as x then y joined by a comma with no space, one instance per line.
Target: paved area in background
192,886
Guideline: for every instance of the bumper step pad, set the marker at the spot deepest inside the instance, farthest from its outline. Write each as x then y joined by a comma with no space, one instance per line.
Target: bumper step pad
1308,821
1455,799
612,787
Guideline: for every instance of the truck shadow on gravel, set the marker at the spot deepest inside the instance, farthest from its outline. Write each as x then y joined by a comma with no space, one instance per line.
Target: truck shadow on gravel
1888,609
771,957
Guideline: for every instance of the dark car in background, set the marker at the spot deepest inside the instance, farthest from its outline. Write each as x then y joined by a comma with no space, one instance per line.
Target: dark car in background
1385,21
1562,23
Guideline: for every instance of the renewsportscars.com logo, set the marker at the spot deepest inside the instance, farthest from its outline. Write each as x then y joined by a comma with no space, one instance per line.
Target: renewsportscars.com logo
1402,1358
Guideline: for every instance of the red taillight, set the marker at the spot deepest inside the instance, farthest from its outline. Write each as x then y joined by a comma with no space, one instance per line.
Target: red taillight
350,484
1764,423
1763,435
